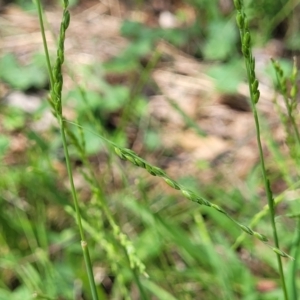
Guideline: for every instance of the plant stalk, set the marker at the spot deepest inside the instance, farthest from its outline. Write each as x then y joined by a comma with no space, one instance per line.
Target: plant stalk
56,87
40,13
84,244
265,177
254,92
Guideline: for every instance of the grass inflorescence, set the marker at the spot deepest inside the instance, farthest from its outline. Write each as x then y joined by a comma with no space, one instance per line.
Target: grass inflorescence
138,242
56,102
249,59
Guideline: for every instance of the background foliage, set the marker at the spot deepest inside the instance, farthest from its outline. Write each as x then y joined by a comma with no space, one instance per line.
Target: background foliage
146,240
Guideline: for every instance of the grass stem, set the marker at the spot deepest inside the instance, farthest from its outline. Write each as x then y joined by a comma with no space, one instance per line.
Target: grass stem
56,102
242,23
40,13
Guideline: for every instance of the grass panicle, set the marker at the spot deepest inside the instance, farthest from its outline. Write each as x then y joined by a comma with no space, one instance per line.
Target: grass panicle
131,156
289,90
56,103
245,36
101,203
98,201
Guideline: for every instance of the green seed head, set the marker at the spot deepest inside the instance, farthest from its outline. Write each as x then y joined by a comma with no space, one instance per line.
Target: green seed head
62,34
149,169
294,91
66,3
295,71
246,229
261,237
139,162
120,153
218,208
206,202
129,151
254,86
247,39
252,75
58,88
172,183
130,158
237,4
200,201
256,96
158,171
240,20
281,253
66,19
246,23
246,51
252,63
283,81
189,195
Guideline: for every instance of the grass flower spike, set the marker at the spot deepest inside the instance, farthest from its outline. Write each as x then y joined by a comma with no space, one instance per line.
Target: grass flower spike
56,79
254,97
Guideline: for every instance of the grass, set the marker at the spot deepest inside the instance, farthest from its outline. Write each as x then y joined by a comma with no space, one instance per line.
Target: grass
132,231
254,96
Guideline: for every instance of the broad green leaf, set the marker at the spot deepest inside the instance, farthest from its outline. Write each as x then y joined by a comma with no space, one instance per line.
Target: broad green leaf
221,40
21,77
228,76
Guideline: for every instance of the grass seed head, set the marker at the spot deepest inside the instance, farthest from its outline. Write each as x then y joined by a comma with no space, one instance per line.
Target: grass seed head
240,20
139,162
158,171
172,183
261,237
246,229
218,208
237,4
149,169
130,158
66,19
120,153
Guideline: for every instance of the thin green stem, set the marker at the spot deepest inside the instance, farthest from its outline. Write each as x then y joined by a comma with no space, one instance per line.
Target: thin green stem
70,174
89,268
294,264
40,13
253,83
289,100
143,294
262,214
84,245
56,80
265,179
134,262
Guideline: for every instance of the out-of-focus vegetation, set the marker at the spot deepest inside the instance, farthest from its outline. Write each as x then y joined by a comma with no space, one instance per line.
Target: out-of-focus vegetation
146,240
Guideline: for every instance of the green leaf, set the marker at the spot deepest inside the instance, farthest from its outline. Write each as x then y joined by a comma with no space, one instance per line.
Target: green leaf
115,97
159,292
20,293
14,120
221,40
21,77
228,76
93,100
4,144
